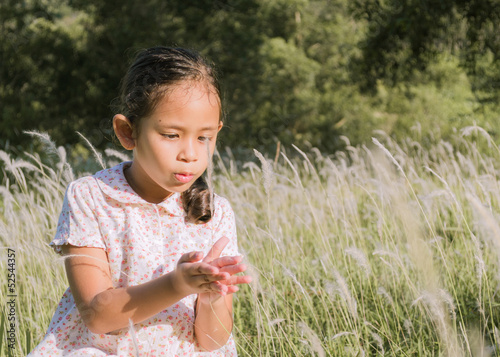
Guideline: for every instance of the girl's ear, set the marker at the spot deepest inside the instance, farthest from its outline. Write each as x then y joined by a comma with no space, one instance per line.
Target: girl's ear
124,131
220,125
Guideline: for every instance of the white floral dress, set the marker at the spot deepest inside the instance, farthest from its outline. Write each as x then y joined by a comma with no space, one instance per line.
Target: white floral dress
143,241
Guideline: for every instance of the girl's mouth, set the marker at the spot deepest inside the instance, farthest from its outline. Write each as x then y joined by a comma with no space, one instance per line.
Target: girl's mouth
184,178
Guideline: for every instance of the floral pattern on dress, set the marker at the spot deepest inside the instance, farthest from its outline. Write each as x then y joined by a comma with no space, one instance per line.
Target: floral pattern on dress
143,241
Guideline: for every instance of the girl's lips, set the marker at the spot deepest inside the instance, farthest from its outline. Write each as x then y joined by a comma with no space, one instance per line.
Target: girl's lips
184,178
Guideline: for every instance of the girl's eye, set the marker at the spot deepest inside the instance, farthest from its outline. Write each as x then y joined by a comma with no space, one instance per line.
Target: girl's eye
204,138
170,136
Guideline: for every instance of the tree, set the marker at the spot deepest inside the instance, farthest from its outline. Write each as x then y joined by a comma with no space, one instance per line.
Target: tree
278,60
404,36
38,85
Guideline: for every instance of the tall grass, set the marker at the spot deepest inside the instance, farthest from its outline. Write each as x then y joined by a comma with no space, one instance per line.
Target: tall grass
381,250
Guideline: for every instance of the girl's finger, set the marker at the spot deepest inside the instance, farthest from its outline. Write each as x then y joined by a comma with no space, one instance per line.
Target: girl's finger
236,280
201,269
190,257
210,278
232,289
215,288
234,269
216,249
226,260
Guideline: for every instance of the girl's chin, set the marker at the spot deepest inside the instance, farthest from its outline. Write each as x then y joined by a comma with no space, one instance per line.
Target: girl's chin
180,187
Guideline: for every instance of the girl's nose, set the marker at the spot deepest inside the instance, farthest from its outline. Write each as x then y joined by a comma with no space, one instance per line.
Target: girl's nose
188,151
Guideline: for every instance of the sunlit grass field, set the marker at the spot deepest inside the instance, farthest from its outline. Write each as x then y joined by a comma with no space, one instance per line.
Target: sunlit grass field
386,250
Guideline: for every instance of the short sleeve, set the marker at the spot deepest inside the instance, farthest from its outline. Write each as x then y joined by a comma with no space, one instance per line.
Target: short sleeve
226,227
78,223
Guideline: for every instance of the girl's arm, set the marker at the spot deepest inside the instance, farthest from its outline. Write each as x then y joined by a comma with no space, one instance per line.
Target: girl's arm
214,311
214,321
105,309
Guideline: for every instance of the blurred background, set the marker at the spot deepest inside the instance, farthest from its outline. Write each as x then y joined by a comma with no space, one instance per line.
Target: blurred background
354,250
293,71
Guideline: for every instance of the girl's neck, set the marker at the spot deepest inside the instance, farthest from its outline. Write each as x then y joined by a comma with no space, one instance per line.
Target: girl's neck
128,172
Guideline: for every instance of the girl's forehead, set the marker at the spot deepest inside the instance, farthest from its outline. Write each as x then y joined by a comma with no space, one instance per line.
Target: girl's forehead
184,102
186,93
187,88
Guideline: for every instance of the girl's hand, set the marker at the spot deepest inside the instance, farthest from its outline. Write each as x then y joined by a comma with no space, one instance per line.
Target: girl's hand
228,264
194,277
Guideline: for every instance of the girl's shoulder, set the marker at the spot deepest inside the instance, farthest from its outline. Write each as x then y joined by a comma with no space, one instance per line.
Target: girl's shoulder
222,209
221,202
83,186
105,180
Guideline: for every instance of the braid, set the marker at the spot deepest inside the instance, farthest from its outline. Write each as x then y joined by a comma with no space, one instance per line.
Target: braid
196,202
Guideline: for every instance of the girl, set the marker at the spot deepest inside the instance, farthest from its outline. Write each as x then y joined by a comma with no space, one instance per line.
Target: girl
151,256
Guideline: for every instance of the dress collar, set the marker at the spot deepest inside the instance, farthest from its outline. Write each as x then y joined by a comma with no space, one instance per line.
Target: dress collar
113,183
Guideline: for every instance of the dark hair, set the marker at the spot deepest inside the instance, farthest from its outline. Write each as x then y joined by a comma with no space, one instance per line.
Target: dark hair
153,72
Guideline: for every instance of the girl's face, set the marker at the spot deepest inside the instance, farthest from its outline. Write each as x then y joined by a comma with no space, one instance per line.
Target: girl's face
172,144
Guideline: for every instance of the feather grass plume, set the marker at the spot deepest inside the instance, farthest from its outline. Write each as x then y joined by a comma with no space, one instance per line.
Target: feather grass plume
97,155
267,172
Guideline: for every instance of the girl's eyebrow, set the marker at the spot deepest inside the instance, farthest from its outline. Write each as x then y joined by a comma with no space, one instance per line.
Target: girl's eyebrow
209,128
177,127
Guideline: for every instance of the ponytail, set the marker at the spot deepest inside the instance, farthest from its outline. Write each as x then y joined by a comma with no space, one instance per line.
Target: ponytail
196,202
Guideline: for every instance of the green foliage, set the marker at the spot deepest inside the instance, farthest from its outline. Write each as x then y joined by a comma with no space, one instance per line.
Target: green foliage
403,37
301,71
39,61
